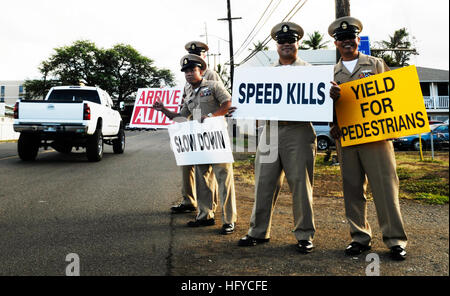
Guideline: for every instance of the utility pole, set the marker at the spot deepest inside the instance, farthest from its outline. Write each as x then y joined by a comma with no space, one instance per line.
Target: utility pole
206,35
230,31
342,9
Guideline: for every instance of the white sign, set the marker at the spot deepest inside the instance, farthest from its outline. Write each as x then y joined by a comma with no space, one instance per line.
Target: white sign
201,143
290,93
146,117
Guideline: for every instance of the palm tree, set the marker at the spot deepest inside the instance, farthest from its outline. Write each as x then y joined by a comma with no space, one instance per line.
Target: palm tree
400,40
314,42
259,46
224,76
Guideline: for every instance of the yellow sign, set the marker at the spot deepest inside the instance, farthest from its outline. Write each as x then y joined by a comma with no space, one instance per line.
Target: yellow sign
383,106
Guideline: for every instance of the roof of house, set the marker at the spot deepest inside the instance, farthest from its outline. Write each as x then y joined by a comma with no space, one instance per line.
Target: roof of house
432,75
314,57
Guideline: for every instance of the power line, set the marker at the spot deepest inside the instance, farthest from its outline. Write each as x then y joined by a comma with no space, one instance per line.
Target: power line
267,39
244,44
255,26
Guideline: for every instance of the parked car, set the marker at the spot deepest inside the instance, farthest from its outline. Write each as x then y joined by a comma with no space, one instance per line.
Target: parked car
440,139
324,139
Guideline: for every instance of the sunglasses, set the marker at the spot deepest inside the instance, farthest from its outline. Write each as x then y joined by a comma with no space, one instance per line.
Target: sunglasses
348,36
289,40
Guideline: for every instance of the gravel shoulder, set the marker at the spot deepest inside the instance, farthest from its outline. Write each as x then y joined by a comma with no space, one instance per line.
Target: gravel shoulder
203,251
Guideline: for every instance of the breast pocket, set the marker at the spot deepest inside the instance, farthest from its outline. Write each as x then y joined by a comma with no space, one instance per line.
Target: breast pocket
208,104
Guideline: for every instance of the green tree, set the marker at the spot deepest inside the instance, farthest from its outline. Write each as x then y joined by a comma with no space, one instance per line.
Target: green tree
398,58
124,70
259,46
120,70
224,76
314,42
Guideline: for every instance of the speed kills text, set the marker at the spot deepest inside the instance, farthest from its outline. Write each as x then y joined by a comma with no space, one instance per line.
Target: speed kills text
272,93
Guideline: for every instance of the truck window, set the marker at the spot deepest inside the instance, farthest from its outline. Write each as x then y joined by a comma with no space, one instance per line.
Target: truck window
59,95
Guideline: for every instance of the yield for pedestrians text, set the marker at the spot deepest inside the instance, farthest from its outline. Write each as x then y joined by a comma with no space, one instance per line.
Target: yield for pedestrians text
382,106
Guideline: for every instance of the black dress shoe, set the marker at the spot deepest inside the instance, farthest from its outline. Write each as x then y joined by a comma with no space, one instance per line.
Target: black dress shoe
305,246
398,253
248,241
355,248
181,208
198,223
227,229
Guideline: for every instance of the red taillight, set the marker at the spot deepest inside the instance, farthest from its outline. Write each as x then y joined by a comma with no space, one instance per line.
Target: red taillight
86,112
16,110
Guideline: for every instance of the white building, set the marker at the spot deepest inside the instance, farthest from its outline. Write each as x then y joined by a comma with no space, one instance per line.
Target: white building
11,91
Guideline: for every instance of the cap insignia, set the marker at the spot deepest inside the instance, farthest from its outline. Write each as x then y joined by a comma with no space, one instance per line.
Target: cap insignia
193,46
185,61
344,25
285,28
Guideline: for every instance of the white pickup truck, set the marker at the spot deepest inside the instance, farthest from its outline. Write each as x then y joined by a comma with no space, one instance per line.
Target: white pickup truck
69,116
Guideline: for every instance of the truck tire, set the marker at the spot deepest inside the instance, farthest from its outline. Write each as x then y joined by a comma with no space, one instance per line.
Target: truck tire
119,143
322,143
28,147
94,146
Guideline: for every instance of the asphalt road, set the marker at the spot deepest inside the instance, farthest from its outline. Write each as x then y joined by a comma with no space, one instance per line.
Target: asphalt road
113,214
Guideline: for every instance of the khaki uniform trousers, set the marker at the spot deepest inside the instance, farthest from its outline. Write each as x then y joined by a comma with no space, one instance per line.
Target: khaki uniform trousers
374,163
212,178
188,186
296,153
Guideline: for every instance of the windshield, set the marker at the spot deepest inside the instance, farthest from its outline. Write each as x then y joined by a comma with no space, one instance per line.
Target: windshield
440,129
74,95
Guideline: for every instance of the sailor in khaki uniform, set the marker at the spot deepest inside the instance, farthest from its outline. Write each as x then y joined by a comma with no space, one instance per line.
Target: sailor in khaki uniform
372,162
296,147
199,48
189,202
209,98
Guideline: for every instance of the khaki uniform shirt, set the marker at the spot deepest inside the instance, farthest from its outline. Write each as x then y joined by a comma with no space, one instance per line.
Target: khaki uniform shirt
365,66
298,62
207,97
207,75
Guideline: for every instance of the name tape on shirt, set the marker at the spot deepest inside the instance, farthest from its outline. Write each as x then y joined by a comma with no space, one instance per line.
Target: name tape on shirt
201,143
383,106
291,93
145,117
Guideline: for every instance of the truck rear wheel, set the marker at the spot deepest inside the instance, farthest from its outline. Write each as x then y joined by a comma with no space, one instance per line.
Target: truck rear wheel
28,147
119,143
94,147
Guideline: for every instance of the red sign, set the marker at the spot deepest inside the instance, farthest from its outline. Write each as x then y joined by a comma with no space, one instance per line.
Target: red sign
146,117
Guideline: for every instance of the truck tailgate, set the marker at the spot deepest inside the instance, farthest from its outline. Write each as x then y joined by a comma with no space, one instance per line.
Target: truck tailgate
46,112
